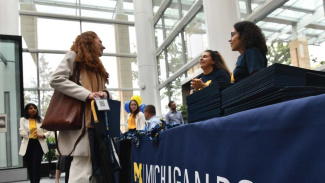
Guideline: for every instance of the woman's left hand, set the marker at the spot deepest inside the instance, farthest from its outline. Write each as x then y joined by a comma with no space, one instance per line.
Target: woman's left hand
102,94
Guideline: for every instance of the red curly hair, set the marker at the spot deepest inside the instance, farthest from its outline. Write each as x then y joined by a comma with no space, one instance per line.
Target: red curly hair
87,53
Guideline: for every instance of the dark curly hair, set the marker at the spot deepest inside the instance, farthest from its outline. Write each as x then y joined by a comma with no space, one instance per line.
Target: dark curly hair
252,36
26,114
87,53
219,61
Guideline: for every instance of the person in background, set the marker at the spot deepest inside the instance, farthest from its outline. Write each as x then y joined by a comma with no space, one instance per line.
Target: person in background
84,55
63,165
150,115
248,39
135,119
173,116
33,145
214,70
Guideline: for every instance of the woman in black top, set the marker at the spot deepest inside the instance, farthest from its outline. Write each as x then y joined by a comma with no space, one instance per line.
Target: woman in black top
248,39
214,70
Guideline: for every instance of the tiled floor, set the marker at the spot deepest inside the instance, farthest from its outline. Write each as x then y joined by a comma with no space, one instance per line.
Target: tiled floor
45,180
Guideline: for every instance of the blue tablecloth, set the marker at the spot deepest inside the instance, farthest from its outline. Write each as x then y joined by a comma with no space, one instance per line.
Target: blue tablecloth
279,143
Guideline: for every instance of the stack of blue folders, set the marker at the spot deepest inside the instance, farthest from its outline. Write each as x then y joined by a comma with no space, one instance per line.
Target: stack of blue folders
281,95
206,103
271,85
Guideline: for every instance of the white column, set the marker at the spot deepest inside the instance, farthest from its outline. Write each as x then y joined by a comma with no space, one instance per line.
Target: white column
9,22
146,52
220,16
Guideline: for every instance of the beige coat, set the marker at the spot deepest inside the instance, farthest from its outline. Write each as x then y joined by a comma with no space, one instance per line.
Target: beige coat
24,131
60,81
140,121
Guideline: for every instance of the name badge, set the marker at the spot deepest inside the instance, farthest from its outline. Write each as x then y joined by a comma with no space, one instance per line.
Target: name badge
102,104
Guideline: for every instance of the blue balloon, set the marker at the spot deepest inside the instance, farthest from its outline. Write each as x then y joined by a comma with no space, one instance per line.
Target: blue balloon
126,106
142,106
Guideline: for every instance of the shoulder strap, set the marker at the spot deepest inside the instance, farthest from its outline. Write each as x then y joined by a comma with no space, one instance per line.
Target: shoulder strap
76,74
77,141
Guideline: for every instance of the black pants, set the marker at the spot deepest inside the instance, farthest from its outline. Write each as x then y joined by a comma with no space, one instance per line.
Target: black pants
33,159
64,164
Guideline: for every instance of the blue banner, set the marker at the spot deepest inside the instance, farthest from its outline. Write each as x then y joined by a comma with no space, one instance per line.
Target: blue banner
281,143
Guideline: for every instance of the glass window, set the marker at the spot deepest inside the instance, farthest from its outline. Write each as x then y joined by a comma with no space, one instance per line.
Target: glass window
310,4
133,40
159,34
97,14
162,75
53,9
270,25
106,32
155,5
47,65
164,101
52,34
176,90
30,97
30,70
174,55
108,9
41,33
128,10
186,5
194,69
292,14
45,99
242,8
123,72
317,59
65,1
195,36
114,37
99,3
171,16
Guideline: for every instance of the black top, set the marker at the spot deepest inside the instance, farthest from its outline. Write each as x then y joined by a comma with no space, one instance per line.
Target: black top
250,61
217,75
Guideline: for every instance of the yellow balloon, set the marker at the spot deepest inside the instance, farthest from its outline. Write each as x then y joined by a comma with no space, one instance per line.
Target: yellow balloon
137,98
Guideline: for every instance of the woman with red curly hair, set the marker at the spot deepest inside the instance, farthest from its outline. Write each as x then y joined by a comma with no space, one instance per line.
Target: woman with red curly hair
84,55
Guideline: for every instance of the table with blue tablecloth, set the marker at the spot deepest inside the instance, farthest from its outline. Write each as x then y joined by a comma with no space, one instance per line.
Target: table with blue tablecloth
283,142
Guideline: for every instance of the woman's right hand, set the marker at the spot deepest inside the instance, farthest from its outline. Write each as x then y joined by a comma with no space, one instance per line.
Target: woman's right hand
93,95
196,84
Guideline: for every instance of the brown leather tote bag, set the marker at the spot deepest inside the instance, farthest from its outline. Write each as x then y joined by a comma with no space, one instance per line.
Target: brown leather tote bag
64,112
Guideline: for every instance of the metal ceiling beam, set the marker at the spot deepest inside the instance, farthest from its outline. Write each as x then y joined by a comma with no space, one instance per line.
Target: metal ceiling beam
316,26
160,11
73,17
324,5
261,12
298,9
301,24
125,55
279,21
287,7
83,7
180,25
291,22
248,7
3,59
320,38
170,4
